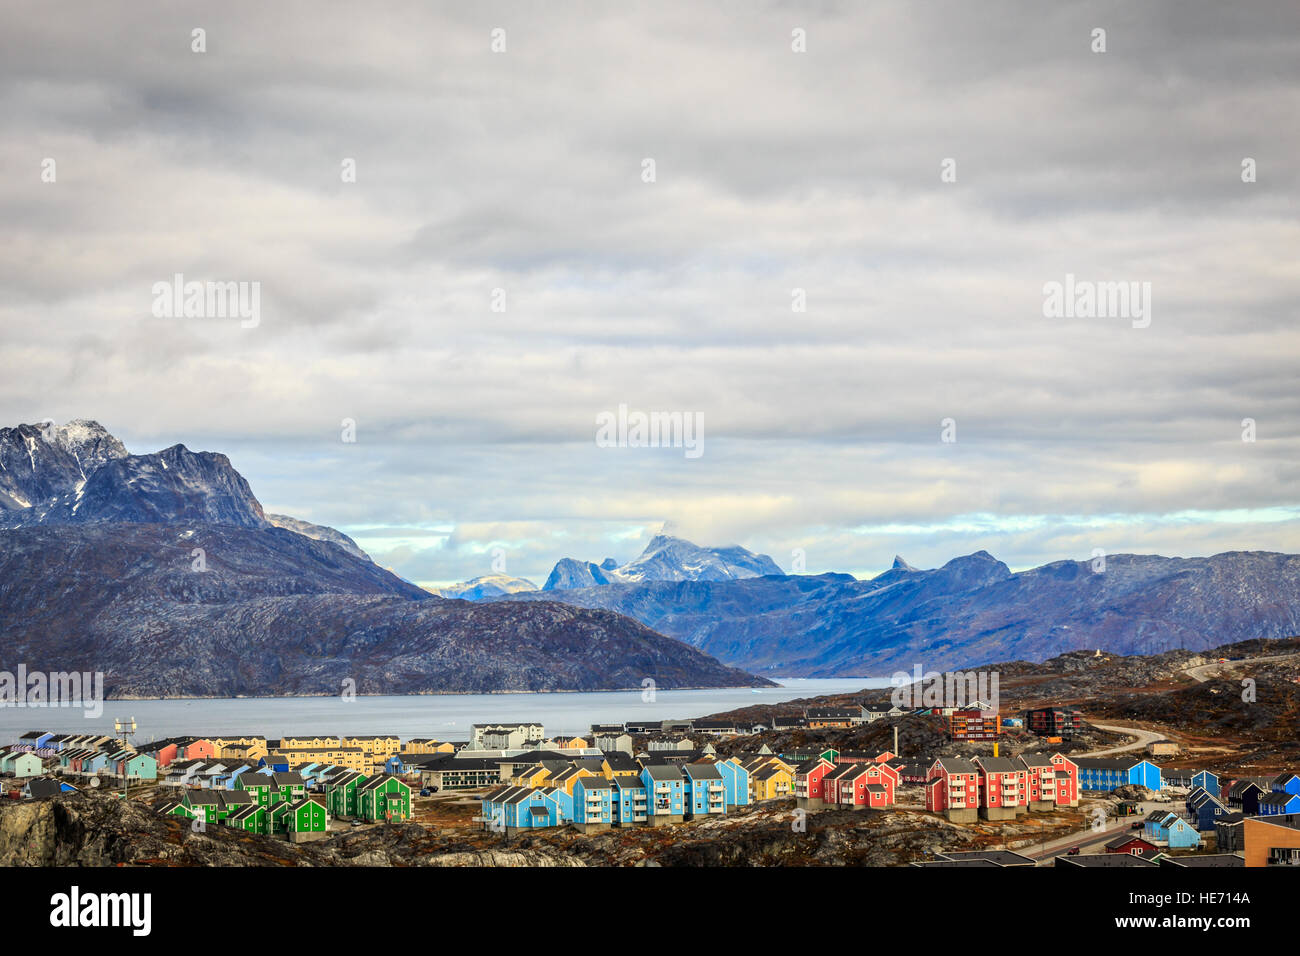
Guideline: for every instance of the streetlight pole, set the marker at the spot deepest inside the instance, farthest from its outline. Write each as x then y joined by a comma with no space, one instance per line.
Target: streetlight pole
122,728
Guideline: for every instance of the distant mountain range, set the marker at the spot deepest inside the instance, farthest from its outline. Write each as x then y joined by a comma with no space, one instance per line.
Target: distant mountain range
666,558
489,587
163,572
973,610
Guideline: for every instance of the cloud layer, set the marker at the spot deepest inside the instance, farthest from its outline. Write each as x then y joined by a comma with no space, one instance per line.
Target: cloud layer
774,171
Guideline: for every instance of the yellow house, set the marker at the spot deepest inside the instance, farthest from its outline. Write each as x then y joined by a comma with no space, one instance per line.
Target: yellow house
238,751
621,771
768,783
292,743
566,778
570,743
255,747
353,758
535,776
377,747
427,745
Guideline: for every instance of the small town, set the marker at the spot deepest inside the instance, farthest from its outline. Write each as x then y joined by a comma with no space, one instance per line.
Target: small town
512,780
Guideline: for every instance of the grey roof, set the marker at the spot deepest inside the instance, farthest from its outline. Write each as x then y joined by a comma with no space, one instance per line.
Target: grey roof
1204,860
666,772
702,771
44,787
1000,857
956,765
1276,799
1035,760
996,764
1105,860
1119,841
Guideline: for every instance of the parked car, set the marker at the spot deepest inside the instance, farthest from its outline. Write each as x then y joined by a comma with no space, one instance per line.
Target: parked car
358,823
425,792
1074,851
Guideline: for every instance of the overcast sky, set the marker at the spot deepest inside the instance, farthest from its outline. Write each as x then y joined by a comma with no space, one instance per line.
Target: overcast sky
775,170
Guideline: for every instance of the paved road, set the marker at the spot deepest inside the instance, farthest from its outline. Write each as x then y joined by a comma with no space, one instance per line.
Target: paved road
1144,737
1204,672
1089,840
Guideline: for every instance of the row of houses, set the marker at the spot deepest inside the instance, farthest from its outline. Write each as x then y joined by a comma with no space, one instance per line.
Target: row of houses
826,781
115,761
594,798
1000,788
271,802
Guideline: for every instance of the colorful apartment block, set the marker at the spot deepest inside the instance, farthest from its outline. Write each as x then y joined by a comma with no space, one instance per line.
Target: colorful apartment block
384,798
952,788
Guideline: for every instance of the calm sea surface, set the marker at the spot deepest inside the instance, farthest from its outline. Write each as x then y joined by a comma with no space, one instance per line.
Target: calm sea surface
445,717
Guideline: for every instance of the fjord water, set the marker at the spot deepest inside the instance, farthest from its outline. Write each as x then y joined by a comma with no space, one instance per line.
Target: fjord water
445,717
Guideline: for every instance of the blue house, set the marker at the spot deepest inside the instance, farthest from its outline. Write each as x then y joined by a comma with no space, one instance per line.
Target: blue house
1207,809
593,802
1207,780
275,764
526,808
630,802
665,793
1278,802
1181,835
1286,783
735,783
1109,773
395,765
1168,828
97,764
705,793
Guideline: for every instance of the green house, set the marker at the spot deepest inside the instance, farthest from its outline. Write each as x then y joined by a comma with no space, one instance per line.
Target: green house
204,804
384,798
287,787
342,793
306,816
177,808
251,818
259,785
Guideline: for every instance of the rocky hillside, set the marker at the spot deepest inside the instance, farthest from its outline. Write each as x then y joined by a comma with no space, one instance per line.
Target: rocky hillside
971,611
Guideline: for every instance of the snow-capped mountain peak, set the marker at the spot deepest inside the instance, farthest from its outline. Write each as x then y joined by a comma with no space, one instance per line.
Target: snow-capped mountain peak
665,558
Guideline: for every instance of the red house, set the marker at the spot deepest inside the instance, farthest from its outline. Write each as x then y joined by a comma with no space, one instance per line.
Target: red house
1003,787
860,785
1131,844
1067,781
808,777
952,788
1053,781
180,748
